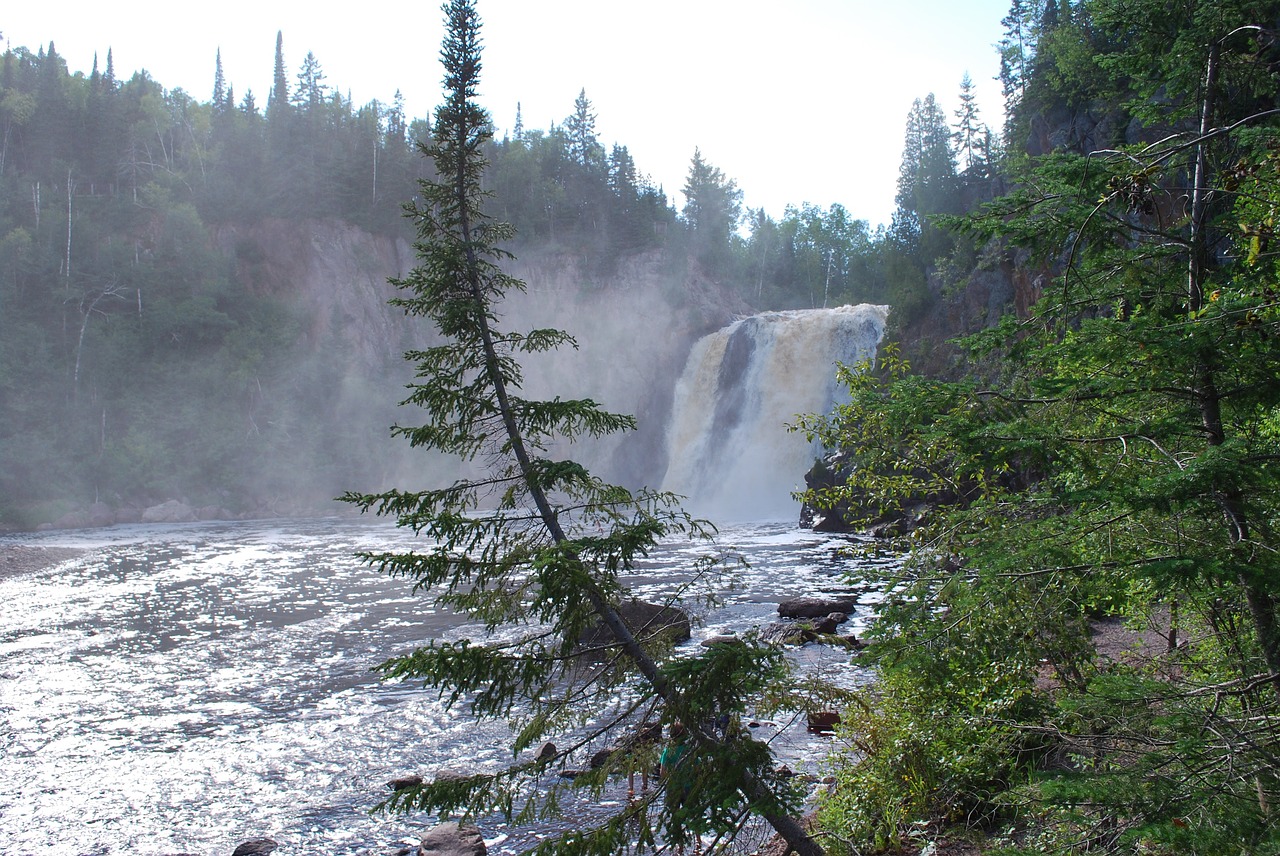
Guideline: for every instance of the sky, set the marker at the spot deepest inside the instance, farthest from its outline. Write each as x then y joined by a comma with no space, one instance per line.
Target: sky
796,100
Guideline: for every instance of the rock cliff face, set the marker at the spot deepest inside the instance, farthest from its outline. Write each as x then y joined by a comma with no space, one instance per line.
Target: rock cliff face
1004,282
634,324
334,273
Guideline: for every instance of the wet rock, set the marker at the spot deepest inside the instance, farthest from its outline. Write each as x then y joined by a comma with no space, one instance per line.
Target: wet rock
101,514
453,839
802,632
823,721
546,753
128,514
172,511
787,633
403,783
255,847
828,625
724,638
816,607
648,621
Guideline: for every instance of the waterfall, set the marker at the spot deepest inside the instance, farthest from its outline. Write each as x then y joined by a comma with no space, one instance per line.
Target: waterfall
728,448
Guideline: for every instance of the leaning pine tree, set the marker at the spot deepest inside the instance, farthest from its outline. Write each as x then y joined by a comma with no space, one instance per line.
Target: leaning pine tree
541,545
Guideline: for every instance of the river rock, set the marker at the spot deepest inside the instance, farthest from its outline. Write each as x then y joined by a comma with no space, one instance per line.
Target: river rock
172,511
255,847
546,753
801,632
827,625
453,839
787,633
403,783
816,607
101,514
648,621
823,721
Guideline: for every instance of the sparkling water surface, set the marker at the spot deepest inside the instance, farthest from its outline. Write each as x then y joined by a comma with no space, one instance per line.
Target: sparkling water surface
182,688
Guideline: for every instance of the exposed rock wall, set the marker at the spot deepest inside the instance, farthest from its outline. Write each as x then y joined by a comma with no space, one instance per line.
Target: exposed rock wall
634,324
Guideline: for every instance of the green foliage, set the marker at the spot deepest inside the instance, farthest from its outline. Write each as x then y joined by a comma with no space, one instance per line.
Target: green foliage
1120,464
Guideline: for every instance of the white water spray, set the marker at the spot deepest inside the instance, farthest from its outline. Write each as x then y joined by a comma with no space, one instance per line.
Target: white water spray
728,448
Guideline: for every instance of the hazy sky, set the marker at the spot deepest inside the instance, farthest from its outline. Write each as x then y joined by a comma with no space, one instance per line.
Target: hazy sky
796,100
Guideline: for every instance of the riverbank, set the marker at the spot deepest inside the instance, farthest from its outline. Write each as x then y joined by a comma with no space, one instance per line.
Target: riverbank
18,559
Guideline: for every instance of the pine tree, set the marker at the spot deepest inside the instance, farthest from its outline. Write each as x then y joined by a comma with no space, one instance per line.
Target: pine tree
580,129
311,90
219,83
712,208
537,544
970,135
278,98
927,182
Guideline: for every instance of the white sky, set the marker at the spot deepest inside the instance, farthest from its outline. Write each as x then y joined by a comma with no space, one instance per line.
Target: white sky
796,100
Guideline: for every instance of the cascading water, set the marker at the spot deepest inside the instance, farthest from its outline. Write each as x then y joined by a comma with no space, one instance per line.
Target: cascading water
728,448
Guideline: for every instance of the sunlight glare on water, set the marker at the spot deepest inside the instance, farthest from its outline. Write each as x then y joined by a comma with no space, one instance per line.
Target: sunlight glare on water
184,688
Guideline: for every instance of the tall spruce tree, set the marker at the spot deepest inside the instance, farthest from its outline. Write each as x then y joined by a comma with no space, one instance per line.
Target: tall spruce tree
539,546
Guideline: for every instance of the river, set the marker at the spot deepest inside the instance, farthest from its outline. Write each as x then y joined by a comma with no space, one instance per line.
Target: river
182,688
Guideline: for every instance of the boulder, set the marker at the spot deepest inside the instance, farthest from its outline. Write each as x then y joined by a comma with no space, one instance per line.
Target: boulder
255,847
801,632
101,514
546,753
212,512
128,514
403,783
648,621
72,520
172,511
453,839
816,607
787,633
827,625
823,721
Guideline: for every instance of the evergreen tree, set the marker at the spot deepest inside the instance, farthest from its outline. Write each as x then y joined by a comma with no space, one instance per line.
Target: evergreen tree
219,82
712,209
580,129
278,98
971,136
311,91
539,544
927,181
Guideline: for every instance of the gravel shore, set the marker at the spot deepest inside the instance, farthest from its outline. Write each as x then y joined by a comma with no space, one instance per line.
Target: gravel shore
24,558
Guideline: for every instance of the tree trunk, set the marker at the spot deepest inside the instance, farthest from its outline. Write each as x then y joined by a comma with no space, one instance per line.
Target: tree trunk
1261,604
